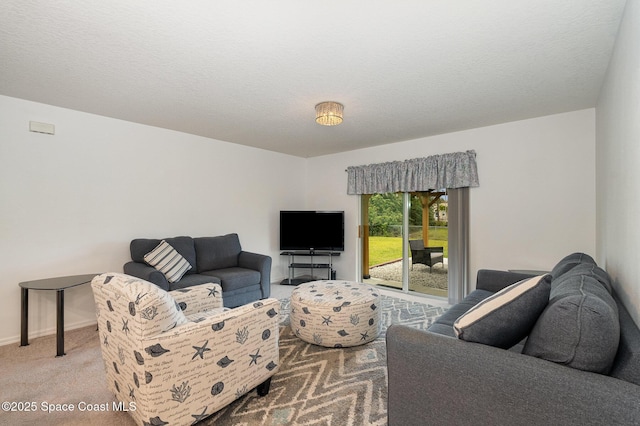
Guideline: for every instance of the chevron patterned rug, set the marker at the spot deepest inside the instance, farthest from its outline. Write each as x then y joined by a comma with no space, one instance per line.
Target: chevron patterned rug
324,386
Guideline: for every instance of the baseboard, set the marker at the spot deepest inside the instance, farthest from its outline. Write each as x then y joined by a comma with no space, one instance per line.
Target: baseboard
46,332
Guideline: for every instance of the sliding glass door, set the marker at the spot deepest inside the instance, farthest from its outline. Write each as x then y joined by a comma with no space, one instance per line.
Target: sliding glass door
405,241
382,242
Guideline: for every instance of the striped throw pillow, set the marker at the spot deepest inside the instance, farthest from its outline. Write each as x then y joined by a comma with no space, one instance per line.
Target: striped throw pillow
505,318
168,261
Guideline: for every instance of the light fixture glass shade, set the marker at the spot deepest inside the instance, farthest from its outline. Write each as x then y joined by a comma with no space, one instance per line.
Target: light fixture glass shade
329,113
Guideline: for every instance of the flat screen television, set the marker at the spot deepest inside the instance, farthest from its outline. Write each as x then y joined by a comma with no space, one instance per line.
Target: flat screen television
311,230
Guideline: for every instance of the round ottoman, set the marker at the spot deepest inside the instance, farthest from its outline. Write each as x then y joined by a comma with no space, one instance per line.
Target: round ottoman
335,313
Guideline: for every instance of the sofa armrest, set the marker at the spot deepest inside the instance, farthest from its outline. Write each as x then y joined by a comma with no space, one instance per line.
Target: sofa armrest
260,263
435,379
198,298
494,280
147,273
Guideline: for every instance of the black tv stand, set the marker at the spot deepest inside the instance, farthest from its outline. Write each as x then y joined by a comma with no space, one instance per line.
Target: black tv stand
292,280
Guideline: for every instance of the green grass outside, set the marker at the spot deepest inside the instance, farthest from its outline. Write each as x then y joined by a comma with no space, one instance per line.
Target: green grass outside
386,249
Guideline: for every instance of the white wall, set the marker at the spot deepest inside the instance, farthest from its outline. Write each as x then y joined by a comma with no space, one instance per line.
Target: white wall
618,165
71,203
535,203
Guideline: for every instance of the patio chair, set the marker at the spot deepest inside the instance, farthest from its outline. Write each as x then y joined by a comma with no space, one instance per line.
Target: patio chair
425,255
175,357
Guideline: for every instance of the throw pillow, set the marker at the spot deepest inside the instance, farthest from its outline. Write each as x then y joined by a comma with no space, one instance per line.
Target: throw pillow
580,327
183,245
505,318
168,261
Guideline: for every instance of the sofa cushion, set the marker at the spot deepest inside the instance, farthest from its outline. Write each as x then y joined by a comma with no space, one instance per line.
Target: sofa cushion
570,262
580,326
587,269
193,279
217,252
183,245
505,318
235,278
168,261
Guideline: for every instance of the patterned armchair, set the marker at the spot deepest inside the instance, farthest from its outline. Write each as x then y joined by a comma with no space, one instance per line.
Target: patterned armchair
177,357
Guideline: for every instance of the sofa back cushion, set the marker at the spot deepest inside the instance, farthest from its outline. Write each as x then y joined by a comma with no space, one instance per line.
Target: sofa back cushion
217,252
183,245
586,269
579,327
570,262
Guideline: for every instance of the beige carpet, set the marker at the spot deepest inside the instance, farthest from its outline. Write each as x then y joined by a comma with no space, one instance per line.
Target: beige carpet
314,385
34,378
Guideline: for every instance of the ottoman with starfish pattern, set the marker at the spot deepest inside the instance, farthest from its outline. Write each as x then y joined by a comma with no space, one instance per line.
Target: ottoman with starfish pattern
335,313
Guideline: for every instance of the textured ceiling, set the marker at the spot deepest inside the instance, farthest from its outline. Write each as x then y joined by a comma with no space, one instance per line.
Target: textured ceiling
250,72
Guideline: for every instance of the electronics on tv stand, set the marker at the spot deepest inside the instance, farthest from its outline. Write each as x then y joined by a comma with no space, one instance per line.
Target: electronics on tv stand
293,265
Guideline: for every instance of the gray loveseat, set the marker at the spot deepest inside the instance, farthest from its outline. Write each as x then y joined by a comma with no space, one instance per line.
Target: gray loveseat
437,378
244,276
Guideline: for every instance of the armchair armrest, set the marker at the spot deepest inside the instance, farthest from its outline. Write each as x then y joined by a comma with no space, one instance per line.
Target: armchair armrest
494,280
434,249
147,273
206,365
267,310
435,379
260,263
198,298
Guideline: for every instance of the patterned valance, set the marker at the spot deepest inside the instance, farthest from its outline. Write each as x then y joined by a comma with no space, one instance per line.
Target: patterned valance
453,170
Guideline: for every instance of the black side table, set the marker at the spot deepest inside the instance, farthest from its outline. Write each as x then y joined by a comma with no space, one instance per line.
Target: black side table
59,284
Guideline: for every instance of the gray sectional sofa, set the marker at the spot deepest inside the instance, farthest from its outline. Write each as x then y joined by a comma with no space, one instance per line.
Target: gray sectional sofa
244,276
579,363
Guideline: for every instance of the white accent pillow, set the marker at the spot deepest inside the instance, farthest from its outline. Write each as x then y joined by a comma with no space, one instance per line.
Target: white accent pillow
505,318
168,261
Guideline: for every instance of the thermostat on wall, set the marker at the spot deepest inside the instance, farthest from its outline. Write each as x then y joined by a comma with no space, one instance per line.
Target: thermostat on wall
48,129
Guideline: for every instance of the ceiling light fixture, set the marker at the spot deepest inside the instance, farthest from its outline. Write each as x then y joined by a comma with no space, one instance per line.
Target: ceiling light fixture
329,113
